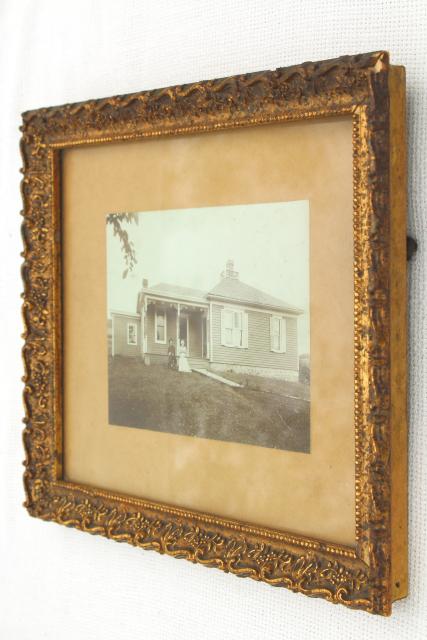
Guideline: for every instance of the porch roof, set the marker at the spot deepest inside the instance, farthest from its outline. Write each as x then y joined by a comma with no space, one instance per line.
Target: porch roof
176,292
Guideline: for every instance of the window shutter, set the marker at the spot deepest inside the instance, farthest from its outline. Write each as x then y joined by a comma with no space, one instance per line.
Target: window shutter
283,345
223,341
245,331
271,332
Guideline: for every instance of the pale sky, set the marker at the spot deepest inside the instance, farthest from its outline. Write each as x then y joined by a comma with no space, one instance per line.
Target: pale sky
269,244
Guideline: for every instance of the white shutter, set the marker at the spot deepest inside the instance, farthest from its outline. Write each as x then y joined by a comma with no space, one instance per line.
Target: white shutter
223,340
236,324
245,331
271,332
283,335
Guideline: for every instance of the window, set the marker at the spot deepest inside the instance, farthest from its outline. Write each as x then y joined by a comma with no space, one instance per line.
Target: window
278,334
160,327
234,328
228,327
275,334
132,332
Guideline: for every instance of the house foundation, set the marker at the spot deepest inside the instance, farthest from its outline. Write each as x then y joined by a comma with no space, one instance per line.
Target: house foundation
265,372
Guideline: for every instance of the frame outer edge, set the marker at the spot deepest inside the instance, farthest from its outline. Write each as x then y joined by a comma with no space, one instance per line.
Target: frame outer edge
373,375
326,88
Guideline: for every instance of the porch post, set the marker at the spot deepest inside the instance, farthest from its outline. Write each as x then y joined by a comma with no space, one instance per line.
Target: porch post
210,333
178,313
112,335
142,329
144,336
207,336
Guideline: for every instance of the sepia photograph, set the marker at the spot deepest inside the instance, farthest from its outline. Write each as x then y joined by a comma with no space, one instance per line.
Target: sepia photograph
208,323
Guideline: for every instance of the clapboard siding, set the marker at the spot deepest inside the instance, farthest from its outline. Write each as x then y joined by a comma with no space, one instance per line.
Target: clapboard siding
121,347
258,353
157,358
152,345
109,335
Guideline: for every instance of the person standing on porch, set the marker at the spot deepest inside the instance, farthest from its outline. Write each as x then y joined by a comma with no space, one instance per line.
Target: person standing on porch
171,355
183,365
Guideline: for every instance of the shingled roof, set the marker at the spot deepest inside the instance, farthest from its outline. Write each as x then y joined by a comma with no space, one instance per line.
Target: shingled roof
232,289
229,289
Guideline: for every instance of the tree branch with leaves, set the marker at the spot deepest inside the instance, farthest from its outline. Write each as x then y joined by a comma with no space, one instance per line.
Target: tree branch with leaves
116,220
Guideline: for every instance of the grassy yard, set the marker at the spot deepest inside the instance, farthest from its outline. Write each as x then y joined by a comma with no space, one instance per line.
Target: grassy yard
265,412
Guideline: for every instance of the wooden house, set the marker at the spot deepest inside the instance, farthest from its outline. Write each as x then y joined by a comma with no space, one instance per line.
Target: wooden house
234,326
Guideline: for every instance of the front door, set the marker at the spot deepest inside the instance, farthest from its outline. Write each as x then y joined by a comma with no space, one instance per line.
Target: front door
183,330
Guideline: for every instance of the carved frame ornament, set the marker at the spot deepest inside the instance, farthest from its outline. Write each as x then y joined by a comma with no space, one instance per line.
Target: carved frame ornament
358,86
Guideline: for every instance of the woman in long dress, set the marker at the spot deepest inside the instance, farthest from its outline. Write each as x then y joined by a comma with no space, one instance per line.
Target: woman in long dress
183,365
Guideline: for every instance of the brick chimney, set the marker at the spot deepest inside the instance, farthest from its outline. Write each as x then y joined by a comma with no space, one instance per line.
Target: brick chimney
145,283
229,270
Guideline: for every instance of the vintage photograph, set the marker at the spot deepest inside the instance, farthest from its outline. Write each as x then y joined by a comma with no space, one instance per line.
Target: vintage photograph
208,323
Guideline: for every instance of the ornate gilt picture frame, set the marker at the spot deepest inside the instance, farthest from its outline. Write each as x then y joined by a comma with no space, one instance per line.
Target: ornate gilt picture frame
369,574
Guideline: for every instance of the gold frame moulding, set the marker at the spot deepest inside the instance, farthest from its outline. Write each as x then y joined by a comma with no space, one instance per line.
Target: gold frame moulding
370,91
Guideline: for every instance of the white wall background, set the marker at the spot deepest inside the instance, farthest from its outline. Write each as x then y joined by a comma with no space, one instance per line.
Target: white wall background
59,583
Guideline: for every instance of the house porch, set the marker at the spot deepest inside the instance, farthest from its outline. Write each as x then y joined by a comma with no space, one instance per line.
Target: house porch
164,320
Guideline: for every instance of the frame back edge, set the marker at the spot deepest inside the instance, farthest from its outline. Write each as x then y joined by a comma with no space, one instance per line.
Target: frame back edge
398,337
